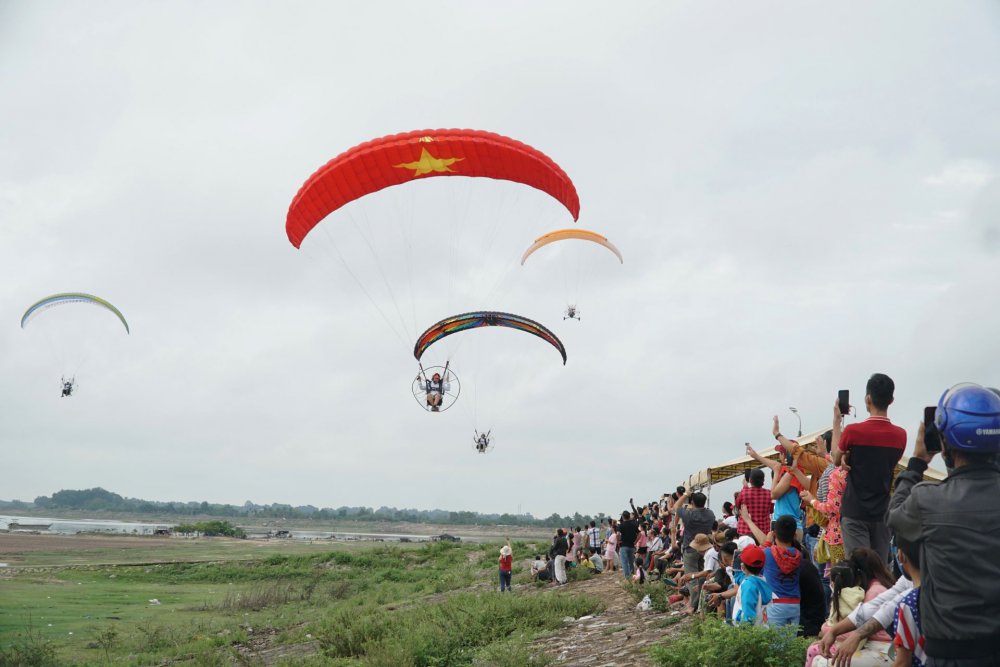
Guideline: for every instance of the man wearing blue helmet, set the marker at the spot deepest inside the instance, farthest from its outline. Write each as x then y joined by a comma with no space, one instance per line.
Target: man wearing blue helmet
957,526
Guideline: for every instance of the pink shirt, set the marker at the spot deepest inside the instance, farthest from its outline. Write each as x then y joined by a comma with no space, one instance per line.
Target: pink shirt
835,496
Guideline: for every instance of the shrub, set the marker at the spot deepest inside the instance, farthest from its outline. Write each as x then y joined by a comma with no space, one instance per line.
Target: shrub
29,650
452,632
712,642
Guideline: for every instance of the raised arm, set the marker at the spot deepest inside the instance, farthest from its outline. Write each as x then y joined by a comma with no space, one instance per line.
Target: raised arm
759,536
838,425
773,465
782,483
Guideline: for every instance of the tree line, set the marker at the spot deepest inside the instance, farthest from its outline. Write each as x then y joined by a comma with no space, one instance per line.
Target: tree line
101,500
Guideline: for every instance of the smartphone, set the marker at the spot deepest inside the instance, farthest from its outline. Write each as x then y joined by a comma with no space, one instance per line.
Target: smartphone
932,437
844,399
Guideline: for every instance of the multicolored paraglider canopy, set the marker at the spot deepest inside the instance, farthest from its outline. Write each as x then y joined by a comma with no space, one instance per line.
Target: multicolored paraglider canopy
465,321
70,297
410,156
563,234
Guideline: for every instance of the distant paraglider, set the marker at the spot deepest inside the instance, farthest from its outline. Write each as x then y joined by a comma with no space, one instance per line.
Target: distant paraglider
571,312
64,337
564,234
482,441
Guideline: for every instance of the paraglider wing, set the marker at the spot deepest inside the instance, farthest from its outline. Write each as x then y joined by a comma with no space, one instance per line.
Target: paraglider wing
563,234
402,158
452,325
70,297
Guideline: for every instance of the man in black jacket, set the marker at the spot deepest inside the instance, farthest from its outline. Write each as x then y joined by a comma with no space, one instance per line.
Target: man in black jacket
957,525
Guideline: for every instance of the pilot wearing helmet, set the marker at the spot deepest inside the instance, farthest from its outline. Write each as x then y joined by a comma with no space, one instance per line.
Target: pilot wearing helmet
956,525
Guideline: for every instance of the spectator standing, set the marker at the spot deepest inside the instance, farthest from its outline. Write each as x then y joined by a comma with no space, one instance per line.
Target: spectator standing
752,593
832,539
594,538
819,466
875,447
787,484
628,531
957,524
611,547
506,561
558,553
757,500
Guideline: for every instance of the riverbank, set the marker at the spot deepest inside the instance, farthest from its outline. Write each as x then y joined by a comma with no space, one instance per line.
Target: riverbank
147,524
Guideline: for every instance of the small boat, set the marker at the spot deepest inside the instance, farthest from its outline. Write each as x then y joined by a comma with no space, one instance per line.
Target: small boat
16,525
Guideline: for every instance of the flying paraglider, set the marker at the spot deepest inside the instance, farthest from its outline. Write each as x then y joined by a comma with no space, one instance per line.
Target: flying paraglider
482,441
465,321
410,156
70,297
571,312
436,389
564,234
68,386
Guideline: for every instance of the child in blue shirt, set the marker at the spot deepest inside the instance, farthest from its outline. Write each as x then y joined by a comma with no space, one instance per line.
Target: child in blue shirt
753,594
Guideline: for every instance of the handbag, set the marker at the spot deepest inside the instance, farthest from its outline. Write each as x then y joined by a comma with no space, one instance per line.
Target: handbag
822,552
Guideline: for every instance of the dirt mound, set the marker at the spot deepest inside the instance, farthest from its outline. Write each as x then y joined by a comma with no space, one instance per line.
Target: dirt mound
618,636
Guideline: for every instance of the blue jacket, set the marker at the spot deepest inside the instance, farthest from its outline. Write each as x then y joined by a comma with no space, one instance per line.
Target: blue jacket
754,595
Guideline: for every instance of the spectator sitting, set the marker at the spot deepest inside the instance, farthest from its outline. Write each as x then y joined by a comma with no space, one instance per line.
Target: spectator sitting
847,595
866,620
701,545
909,636
596,562
721,580
541,569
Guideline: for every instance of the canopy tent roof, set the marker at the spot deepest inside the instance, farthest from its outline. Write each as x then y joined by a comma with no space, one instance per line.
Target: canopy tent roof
735,468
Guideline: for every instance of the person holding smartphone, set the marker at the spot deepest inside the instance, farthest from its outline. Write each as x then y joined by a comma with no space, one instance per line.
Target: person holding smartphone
874,447
957,525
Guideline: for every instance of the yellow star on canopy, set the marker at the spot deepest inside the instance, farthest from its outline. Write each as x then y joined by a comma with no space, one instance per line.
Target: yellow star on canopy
428,163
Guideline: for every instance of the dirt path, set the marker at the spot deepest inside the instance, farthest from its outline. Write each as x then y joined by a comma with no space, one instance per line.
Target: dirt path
618,636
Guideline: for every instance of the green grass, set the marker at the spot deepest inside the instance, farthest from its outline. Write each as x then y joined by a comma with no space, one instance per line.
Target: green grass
208,610
712,642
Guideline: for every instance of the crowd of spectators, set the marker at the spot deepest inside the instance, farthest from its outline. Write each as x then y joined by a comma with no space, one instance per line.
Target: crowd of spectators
881,568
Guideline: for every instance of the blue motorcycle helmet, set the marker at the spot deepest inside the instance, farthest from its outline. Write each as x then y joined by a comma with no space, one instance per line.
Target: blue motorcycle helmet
968,418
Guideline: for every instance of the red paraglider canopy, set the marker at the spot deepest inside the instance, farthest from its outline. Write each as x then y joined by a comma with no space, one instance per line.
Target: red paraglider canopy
401,158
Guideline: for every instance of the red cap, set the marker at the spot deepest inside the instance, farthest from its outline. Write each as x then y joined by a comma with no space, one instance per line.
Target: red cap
752,556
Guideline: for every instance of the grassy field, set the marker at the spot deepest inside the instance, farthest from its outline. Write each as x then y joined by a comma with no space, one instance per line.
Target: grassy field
239,602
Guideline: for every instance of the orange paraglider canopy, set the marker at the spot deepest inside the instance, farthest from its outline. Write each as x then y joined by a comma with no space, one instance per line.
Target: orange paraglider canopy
563,234
410,156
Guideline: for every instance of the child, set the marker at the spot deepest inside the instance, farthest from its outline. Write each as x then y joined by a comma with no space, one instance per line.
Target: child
787,485
847,595
906,627
753,594
781,570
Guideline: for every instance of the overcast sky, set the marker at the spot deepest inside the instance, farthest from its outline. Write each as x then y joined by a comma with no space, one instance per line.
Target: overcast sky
804,194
